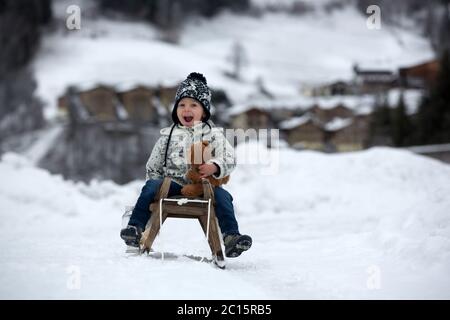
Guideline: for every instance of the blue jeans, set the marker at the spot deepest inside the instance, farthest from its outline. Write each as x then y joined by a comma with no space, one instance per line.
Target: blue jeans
224,206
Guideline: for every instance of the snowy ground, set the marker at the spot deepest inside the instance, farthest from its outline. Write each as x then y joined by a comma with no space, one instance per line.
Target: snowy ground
371,224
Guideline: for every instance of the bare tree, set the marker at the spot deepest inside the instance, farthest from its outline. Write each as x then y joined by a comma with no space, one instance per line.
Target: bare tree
238,59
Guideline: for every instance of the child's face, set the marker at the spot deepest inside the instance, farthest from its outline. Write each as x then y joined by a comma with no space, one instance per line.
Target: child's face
189,112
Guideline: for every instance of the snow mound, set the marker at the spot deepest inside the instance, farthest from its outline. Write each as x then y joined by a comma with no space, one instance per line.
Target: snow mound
400,197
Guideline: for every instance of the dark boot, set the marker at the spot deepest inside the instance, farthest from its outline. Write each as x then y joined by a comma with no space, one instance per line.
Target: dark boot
131,235
235,244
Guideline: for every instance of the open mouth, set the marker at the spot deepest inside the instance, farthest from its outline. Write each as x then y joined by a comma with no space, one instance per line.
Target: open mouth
188,118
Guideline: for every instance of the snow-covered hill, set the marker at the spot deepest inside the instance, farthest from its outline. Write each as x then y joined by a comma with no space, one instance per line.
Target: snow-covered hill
371,224
284,50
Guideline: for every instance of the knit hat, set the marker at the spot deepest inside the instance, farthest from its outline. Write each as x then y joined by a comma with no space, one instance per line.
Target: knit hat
194,87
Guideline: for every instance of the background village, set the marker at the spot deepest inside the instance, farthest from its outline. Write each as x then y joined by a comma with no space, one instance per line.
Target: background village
333,117
107,128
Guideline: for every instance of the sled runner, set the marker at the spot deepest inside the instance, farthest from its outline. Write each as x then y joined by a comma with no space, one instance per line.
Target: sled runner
181,207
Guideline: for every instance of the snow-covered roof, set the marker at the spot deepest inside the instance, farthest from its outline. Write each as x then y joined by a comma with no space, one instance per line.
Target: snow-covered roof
90,85
358,104
128,86
419,63
269,104
411,97
288,3
295,122
364,110
337,124
349,101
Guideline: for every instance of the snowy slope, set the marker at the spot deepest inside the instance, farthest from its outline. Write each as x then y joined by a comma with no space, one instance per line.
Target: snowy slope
371,224
284,50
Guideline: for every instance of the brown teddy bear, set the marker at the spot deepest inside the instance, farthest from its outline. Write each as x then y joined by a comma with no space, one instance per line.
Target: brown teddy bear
199,154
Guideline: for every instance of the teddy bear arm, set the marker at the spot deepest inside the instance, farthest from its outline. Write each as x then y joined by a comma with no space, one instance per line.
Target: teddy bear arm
192,190
193,176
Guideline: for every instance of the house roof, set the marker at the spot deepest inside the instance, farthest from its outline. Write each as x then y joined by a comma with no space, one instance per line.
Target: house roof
371,70
418,65
411,97
88,86
295,122
337,124
130,86
302,102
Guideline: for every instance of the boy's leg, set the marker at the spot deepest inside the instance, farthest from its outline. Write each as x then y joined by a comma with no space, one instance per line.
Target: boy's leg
234,242
141,212
225,211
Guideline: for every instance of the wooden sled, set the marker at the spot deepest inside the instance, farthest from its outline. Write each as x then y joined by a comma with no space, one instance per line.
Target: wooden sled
182,207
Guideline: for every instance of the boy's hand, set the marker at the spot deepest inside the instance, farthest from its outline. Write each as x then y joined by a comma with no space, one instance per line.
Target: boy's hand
207,170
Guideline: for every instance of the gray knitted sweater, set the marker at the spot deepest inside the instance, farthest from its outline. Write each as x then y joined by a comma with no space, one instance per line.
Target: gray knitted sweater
181,140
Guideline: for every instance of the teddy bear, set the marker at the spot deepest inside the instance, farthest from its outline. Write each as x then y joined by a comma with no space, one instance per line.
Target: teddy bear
198,154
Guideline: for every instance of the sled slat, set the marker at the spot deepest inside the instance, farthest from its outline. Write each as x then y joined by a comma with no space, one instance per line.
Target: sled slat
189,210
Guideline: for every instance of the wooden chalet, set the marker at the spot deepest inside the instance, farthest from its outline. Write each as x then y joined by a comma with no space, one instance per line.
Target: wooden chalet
254,118
303,132
100,102
419,76
373,80
139,105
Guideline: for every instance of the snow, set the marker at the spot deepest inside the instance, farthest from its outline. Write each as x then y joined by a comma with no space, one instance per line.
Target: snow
285,51
295,122
45,140
337,124
412,99
285,4
358,104
369,224
352,102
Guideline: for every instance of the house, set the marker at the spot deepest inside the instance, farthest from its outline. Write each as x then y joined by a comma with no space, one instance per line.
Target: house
138,103
345,134
100,101
166,95
332,89
372,80
253,117
362,124
326,114
281,114
62,106
303,132
419,76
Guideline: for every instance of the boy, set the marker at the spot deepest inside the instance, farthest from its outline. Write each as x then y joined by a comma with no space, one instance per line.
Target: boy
168,158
